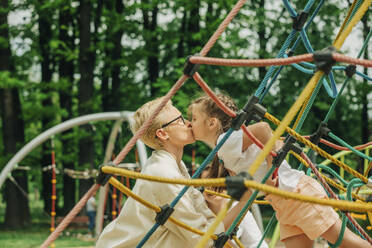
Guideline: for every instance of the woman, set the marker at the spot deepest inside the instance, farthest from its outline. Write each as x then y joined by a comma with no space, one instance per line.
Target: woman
167,135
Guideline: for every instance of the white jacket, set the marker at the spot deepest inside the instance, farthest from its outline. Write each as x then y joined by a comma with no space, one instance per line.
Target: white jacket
135,219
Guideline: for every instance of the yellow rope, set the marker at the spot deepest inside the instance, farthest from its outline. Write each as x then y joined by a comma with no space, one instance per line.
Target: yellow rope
365,174
114,182
340,204
219,182
358,15
346,19
229,197
221,215
318,149
329,180
368,169
286,121
216,182
238,242
305,93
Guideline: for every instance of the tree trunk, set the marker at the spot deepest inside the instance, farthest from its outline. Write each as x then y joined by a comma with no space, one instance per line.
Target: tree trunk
45,36
111,71
181,45
193,27
85,93
150,23
66,76
366,89
261,35
17,212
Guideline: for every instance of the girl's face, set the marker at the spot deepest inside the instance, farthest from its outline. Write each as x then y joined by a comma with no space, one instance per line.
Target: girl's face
199,122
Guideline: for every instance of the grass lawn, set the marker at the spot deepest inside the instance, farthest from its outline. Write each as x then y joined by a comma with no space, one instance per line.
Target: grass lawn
37,232
34,238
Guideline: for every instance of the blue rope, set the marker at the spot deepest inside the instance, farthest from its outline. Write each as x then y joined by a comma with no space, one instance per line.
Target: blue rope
284,47
289,8
271,70
271,83
363,76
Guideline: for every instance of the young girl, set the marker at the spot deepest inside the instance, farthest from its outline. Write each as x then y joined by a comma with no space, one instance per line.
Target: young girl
300,222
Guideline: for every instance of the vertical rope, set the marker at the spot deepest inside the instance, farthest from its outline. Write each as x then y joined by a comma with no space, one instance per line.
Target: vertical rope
54,195
70,216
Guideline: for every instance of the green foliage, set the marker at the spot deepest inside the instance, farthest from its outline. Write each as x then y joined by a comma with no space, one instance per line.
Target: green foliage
127,50
7,81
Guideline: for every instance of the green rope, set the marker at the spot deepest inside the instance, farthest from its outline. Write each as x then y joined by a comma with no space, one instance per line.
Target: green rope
339,140
355,9
341,235
335,101
272,221
309,105
329,170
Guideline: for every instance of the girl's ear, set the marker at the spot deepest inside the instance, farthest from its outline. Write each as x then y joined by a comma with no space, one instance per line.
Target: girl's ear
161,134
213,122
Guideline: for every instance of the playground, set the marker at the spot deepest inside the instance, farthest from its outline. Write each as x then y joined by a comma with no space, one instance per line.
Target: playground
73,171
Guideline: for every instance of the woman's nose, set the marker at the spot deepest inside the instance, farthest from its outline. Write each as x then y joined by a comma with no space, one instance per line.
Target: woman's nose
188,123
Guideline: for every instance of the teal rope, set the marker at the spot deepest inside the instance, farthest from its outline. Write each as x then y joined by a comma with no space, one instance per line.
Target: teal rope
333,173
356,7
335,101
355,182
341,235
339,140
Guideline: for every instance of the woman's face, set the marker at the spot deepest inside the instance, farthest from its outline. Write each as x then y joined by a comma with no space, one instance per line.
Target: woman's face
199,122
178,129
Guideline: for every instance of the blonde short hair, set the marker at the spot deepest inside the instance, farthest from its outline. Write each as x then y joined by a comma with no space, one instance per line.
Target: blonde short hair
143,114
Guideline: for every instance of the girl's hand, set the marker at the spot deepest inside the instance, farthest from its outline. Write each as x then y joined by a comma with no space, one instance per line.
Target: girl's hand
231,172
272,182
214,202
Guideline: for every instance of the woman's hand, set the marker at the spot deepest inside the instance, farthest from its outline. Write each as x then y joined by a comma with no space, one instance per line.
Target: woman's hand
214,202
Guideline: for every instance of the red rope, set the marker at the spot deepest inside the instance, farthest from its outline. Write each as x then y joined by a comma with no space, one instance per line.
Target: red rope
251,62
113,198
210,93
148,122
255,140
54,195
276,61
193,168
70,216
341,148
346,59
222,27
227,110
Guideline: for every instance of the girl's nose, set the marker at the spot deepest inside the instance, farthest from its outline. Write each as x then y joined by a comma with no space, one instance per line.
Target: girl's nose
188,123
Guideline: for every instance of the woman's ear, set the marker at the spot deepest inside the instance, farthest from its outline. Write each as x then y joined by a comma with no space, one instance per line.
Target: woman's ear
161,134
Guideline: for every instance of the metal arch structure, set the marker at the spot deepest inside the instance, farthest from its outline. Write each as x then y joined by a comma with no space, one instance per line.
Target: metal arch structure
119,116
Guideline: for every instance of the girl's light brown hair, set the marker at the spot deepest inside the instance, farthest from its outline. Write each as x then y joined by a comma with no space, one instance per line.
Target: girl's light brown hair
211,109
